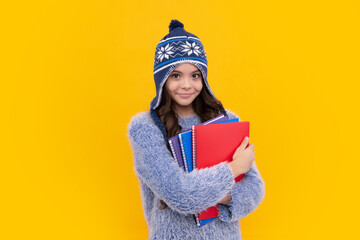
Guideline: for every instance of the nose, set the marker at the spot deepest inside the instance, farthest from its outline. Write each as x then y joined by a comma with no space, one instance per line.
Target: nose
186,83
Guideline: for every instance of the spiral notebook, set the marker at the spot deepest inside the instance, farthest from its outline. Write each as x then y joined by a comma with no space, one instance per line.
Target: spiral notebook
213,144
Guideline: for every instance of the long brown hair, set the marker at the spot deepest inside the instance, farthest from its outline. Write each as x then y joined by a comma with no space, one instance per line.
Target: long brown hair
204,105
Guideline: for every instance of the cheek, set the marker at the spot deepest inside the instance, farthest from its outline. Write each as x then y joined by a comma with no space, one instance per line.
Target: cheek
170,86
198,86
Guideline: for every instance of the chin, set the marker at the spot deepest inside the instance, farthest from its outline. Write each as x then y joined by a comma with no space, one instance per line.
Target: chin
185,103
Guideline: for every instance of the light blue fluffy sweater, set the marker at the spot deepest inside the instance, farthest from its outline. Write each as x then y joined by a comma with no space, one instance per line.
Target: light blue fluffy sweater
186,194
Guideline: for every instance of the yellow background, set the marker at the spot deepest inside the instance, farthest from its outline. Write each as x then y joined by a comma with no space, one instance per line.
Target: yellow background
74,72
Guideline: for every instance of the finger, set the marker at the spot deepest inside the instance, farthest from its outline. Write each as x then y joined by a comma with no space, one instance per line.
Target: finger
244,143
251,146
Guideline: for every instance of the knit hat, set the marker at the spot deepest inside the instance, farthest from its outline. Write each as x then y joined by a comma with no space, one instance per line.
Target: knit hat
177,47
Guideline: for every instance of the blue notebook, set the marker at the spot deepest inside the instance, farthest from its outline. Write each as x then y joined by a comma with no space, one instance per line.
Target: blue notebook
186,150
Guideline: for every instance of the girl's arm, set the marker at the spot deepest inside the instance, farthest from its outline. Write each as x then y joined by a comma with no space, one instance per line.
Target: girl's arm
187,193
245,197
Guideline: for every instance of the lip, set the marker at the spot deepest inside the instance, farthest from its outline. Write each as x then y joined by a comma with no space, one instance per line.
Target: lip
185,95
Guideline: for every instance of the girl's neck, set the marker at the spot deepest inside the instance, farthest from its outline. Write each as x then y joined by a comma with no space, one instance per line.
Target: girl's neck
185,112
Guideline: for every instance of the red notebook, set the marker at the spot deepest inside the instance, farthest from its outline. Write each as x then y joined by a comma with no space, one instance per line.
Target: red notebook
213,144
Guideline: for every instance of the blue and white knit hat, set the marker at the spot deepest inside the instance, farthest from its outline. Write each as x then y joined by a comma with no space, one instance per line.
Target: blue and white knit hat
177,47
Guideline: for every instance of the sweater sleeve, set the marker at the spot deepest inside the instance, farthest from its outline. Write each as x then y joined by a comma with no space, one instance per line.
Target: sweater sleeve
245,196
187,193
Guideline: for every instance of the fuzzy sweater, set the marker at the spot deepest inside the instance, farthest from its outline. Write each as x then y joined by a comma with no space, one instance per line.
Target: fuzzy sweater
186,194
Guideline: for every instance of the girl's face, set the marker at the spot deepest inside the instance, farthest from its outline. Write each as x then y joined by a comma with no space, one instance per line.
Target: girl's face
184,85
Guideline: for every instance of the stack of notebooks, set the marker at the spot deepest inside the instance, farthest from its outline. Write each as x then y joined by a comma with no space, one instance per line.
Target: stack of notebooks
206,145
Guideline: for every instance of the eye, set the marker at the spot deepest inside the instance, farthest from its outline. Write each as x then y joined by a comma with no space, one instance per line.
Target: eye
196,75
175,75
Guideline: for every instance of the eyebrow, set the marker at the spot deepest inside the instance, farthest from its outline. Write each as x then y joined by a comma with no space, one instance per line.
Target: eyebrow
192,72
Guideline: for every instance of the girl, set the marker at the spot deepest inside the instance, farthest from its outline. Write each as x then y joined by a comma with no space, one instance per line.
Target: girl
170,196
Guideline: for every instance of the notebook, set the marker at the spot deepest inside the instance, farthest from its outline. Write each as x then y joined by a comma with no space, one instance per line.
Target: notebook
214,144
186,150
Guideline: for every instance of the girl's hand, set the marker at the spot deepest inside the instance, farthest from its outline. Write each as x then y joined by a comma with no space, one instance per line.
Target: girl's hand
242,158
226,200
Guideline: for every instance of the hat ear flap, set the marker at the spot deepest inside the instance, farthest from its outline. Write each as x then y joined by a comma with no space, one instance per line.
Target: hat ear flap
159,124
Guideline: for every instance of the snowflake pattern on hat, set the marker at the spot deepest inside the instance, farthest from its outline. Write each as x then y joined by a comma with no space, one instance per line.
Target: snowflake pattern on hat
171,49
191,48
164,52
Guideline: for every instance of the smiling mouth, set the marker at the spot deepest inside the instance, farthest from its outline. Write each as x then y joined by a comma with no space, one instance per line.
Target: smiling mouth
185,94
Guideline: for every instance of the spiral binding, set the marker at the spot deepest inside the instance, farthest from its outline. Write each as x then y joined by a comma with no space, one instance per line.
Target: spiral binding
183,150
173,150
197,220
194,146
